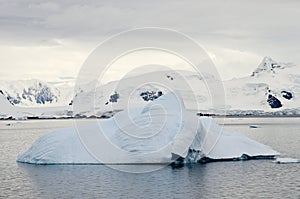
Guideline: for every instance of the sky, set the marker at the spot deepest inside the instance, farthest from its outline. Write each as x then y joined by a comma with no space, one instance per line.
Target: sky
50,40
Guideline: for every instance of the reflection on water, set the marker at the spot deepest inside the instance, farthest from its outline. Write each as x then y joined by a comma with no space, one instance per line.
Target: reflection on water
242,179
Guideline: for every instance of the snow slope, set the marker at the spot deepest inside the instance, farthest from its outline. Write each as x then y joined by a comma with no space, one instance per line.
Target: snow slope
153,133
6,108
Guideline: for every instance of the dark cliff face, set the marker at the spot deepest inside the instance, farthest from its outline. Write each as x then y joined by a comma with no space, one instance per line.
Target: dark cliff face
273,101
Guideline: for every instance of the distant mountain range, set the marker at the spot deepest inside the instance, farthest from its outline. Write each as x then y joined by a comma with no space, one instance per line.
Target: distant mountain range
35,93
273,88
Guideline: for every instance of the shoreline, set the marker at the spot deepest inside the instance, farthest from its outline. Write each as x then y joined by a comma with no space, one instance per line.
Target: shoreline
255,116
93,118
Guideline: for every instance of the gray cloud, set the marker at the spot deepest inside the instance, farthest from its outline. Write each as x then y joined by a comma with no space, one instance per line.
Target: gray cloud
237,33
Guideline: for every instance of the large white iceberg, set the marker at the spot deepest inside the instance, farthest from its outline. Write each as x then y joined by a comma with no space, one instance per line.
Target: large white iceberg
161,132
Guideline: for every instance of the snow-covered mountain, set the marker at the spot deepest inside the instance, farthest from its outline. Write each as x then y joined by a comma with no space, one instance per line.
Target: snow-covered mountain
35,93
272,88
269,66
34,99
140,90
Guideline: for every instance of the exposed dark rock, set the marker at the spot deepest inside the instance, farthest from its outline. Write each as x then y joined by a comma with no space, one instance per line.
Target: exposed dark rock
113,98
13,100
44,95
206,114
273,101
287,95
253,127
170,77
151,95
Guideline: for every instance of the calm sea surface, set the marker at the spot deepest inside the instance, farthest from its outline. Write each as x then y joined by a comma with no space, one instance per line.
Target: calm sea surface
240,179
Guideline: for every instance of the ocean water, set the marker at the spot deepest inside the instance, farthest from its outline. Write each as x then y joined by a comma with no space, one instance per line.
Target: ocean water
239,179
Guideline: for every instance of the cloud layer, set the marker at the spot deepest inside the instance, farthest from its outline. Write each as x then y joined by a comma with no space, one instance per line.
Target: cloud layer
51,39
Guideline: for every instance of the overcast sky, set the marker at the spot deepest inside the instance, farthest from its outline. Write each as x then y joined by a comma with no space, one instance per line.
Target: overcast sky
48,40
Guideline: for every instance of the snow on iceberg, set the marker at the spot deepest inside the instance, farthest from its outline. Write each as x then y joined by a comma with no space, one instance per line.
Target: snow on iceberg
160,132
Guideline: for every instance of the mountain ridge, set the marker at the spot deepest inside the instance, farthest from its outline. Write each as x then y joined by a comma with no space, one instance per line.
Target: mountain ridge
274,88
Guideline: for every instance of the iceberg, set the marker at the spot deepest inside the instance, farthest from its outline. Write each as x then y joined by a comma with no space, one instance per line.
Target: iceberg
161,132
286,160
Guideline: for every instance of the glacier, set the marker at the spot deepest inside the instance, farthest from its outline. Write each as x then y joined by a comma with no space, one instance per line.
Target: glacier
162,131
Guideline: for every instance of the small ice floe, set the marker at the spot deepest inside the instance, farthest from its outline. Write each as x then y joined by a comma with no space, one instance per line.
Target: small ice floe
253,127
286,160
